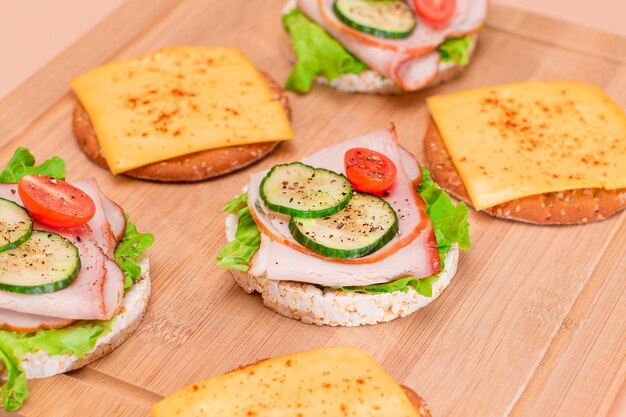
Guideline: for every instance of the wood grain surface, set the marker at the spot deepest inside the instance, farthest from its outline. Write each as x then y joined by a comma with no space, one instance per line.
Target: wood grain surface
532,325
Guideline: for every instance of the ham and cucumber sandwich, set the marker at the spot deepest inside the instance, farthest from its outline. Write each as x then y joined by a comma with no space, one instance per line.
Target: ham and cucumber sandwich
337,381
74,274
380,46
537,152
354,234
179,114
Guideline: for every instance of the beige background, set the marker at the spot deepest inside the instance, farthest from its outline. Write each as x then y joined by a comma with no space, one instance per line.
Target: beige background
32,32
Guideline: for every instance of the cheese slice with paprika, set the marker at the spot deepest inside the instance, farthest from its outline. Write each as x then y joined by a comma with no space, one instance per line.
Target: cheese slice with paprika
337,381
178,101
517,140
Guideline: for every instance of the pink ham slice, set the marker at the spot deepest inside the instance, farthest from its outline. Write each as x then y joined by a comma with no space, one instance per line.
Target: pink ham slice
23,322
412,62
94,295
280,259
98,230
115,216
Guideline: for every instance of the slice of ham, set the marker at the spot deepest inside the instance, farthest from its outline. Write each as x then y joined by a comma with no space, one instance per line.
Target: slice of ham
280,262
94,295
26,323
412,252
98,229
411,62
115,216
468,17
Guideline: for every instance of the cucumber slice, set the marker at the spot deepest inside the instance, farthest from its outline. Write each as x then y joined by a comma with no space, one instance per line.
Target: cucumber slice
16,225
47,262
366,224
300,190
386,19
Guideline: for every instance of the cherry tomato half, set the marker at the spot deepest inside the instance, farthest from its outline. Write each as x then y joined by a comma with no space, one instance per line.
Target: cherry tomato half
369,171
435,11
55,202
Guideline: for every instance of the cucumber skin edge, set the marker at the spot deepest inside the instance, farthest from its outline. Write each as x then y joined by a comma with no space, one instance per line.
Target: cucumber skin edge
46,288
20,241
332,253
25,237
370,30
304,214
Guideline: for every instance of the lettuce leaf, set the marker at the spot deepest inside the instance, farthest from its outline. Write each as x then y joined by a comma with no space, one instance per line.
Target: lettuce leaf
236,204
76,339
450,222
127,252
237,254
317,53
14,391
423,286
22,163
456,50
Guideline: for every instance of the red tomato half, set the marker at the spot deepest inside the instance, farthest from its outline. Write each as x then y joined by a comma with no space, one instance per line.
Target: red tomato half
55,202
435,11
369,171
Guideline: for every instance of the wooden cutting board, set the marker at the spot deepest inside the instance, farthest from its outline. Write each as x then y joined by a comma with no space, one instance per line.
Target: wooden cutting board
533,324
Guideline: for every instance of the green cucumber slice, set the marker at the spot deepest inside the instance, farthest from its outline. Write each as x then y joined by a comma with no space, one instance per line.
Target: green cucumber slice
16,225
45,263
386,19
366,224
300,190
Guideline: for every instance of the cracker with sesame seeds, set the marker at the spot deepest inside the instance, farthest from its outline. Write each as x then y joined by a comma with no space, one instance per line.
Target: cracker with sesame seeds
197,166
566,207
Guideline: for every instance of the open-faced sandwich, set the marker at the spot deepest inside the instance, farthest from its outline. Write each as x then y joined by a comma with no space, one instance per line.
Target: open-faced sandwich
179,114
74,274
538,152
380,46
354,234
339,381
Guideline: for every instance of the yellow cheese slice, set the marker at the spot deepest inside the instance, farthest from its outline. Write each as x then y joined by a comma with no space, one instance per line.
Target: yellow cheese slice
516,140
326,382
177,101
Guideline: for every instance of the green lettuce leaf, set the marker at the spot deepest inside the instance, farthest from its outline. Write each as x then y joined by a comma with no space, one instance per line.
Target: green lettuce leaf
237,254
450,222
127,252
14,391
423,286
76,339
236,204
22,163
317,53
456,50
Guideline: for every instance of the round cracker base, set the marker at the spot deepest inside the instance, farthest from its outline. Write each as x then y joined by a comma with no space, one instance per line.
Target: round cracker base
559,208
130,314
197,166
328,307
